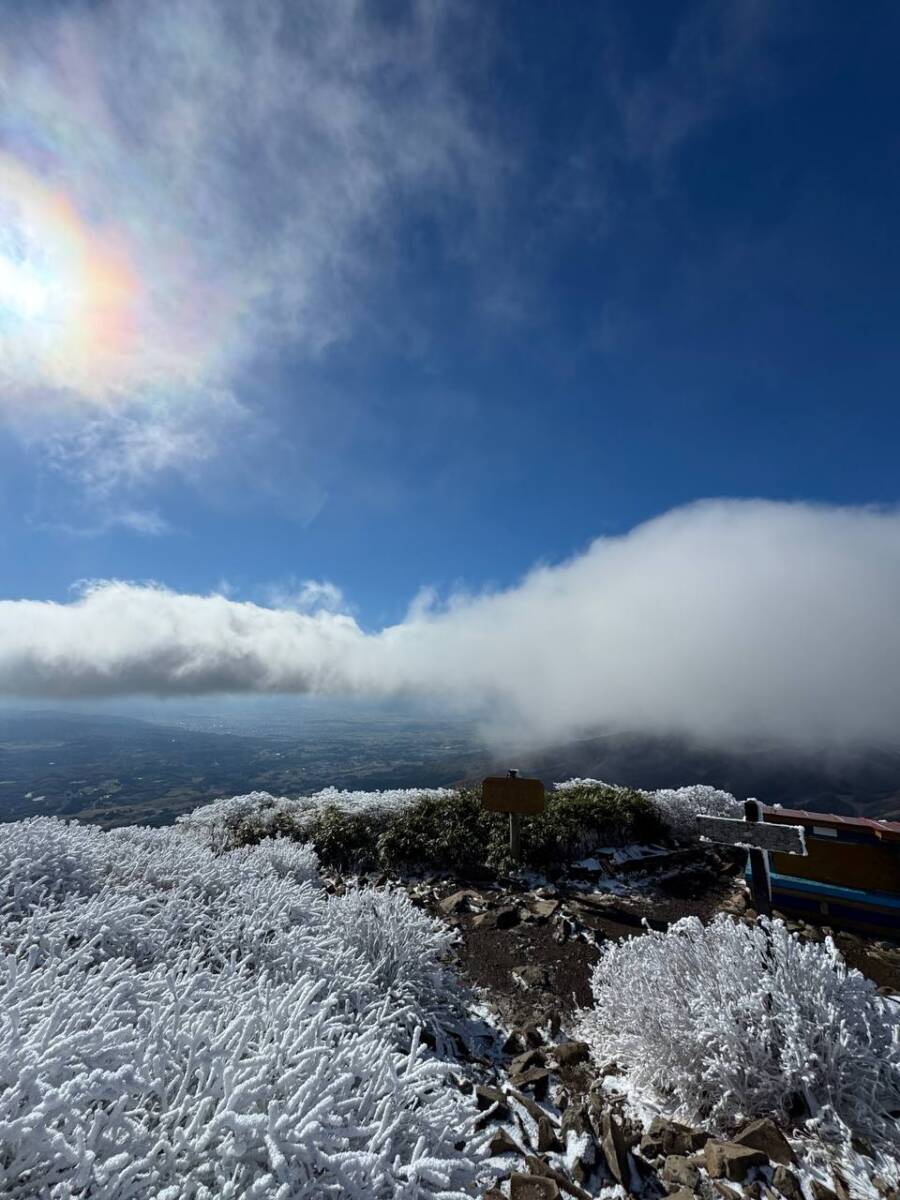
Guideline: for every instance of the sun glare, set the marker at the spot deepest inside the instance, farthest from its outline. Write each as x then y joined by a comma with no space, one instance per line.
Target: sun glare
22,290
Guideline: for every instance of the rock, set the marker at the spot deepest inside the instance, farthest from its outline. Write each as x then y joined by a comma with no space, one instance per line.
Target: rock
524,1061
485,920
667,1137
651,1147
537,1078
613,1146
786,1182
585,1162
544,909
485,1097
567,1054
728,1160
547,1139
564,928
539,1167
514,1043
680,1170
457,903
818,1190
506,917
597,1104
532,976
631,1133
765,1135
533,1109
502,1143
532,1187
726,1192
533,1036
840,1186
575,1119
681,1194
862,1145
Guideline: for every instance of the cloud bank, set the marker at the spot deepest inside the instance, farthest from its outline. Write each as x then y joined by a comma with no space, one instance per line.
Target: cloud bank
726,620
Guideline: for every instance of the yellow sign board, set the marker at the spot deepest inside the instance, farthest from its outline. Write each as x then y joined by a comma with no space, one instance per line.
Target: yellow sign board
510,794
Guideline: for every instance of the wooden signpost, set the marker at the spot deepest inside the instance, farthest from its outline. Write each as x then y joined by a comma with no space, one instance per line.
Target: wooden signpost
758,837
518,797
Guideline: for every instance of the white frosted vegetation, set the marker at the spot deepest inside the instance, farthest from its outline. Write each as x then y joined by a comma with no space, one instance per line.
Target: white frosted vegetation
175,1023
258,814
677,807
728,1021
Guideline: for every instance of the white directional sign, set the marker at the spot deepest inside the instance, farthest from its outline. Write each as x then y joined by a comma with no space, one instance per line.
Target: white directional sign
785,839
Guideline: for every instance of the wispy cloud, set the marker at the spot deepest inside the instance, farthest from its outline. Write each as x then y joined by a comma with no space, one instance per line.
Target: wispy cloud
308,596
189,185
719,58
726,620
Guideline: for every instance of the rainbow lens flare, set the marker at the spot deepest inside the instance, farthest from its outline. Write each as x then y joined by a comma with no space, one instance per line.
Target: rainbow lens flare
68,290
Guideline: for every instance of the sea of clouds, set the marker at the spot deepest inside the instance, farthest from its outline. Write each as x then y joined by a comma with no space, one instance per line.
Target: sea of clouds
726,620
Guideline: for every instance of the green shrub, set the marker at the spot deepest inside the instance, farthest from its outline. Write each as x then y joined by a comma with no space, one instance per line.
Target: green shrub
456,833
577,820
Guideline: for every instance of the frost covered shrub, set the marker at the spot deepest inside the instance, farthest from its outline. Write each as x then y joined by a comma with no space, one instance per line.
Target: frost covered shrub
674,808
283,858
677,807
404,947
435,827
729,1021
451,831
178,1023
41,860
582,814
243,820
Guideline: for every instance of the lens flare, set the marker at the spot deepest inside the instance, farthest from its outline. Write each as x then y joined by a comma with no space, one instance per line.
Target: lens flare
68,290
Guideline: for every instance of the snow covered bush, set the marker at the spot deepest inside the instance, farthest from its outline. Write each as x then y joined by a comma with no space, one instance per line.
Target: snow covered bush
678,807
441,828
239,820
729,1021
178,1023
675,807
404,947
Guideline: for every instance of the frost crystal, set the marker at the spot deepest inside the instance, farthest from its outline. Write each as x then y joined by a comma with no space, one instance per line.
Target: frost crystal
729,1021
175,1023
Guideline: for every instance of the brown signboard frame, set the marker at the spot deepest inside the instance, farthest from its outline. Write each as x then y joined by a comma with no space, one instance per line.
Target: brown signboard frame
513,795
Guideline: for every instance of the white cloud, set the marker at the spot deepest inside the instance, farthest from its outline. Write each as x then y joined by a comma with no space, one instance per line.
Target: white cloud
726,620
309,596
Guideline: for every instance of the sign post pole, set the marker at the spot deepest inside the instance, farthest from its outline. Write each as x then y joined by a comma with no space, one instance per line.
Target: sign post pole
517,797
760,879
515,828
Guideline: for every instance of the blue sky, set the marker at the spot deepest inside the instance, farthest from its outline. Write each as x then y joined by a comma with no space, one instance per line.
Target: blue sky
490,282
682,284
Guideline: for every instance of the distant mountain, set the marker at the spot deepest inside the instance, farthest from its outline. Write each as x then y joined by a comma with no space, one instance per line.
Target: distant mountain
858,783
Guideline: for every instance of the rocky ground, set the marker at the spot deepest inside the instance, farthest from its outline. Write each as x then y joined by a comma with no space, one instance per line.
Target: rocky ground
558,1127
